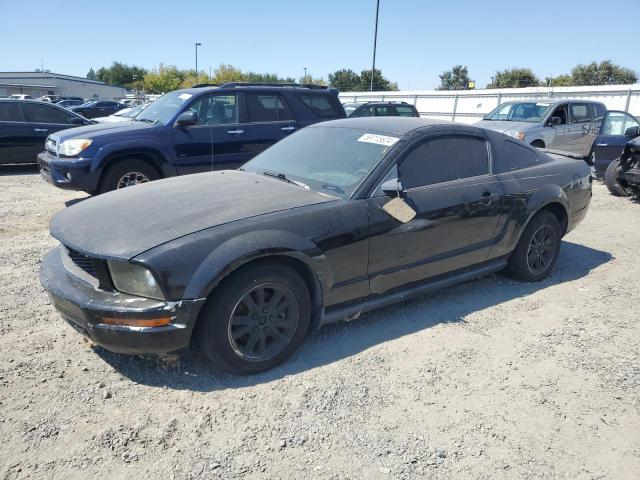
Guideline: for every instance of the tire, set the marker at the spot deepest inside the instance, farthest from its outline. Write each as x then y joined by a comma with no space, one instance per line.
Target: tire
537,144
533,259
611,181
229,334
138,171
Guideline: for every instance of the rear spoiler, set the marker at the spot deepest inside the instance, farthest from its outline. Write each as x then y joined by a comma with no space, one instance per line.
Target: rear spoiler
563,153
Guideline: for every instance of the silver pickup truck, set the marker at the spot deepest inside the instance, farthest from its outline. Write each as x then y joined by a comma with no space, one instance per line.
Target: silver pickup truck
569,125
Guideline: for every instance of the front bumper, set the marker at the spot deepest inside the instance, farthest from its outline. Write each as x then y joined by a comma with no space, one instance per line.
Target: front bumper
83,306
69,174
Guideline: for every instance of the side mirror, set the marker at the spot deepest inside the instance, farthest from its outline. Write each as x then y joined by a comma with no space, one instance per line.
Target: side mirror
632,132
187,119
555,121
391,187
77,121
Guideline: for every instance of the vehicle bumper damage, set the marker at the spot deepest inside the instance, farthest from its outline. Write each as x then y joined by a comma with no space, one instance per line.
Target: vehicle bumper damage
118,322
66,174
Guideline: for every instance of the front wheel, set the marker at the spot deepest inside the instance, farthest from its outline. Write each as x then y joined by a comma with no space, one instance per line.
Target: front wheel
255,320
537,250
126,173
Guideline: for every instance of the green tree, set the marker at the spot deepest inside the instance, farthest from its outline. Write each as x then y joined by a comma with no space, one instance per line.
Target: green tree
163,79
604,73
91,74
379,81
559,81
345,80
267,78
310,80
120,74
514,78
455,79
228,73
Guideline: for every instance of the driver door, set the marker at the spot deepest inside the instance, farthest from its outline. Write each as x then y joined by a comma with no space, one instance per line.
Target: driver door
609,144
559,135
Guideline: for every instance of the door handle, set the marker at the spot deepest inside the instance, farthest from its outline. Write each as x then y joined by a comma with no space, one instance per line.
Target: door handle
235,132
40,129
602,144
288,129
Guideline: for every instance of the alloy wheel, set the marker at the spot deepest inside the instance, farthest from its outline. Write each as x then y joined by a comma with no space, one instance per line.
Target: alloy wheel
263,322
542,248
132,178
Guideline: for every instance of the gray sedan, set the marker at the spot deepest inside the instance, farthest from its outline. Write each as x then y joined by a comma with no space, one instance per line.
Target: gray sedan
569,125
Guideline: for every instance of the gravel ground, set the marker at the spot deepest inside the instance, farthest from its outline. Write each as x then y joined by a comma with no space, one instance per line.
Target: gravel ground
488,380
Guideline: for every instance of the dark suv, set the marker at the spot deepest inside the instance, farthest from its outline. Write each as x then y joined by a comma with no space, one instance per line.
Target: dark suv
186,131
381,109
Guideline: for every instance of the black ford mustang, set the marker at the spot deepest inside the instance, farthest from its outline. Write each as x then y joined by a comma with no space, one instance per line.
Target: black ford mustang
341,217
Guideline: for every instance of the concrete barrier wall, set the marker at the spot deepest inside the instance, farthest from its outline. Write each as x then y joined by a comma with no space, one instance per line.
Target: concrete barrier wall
468,106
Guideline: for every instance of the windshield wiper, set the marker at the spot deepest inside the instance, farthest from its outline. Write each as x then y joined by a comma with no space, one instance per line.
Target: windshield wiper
148,120
282,176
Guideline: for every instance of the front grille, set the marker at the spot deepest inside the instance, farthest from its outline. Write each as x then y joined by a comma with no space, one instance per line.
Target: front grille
84,262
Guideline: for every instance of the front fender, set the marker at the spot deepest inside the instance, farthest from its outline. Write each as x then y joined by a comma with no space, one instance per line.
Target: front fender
249,246
133,146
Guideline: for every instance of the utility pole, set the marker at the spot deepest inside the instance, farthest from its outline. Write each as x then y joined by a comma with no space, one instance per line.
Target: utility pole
375,41
198,44
305,75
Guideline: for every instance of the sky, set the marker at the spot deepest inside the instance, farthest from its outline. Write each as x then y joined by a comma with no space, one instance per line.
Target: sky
417,40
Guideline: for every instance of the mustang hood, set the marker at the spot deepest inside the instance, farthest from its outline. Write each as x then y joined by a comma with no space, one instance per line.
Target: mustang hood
125,223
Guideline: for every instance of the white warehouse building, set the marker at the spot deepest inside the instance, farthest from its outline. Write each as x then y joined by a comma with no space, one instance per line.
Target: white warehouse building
39,83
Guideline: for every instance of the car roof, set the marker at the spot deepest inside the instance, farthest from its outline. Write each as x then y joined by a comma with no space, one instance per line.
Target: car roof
395,125
235,86
550,101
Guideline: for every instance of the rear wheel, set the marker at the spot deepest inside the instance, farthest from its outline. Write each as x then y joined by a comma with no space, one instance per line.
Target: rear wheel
127,172
537,250
255,320
611,180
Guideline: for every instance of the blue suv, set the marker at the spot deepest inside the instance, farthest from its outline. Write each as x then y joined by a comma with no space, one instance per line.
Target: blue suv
186,131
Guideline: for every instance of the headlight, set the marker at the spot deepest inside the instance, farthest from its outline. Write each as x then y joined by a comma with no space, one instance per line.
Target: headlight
72,147
518,135
135,280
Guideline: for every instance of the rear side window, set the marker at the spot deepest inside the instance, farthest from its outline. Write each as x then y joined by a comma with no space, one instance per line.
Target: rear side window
405,111
40,113
10,112
266,108
386,111
444,159
519,156
323,106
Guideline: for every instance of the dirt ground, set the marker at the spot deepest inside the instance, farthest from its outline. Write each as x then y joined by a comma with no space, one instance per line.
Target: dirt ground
492,379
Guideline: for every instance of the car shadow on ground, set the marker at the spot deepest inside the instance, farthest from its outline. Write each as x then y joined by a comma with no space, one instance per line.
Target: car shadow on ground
342,340
18,169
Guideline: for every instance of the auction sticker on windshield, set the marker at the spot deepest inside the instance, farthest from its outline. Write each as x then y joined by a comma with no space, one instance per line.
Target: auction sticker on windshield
378,139
185,96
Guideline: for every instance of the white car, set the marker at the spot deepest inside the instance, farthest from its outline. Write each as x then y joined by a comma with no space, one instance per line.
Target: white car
20,96
124,115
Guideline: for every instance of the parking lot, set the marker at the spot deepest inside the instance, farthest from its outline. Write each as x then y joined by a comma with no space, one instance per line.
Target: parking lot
491,379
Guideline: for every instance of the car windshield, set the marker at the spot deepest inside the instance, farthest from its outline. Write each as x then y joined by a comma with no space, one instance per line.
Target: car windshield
132,112
331,160
164,108
89,103
532,112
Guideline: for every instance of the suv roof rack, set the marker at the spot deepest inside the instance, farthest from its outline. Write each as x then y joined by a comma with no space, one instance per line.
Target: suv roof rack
260,84
201,85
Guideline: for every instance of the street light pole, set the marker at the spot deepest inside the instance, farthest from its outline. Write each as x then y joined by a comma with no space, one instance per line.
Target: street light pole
198,44
375,41
305,74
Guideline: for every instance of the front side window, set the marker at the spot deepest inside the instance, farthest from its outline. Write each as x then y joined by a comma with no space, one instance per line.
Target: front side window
364,112
10,112
616,123
386,111
215,109
444,159
41,113
580,113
